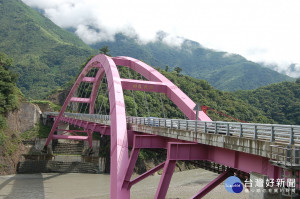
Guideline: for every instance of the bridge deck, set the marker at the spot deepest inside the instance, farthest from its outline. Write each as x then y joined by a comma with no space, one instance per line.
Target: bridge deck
280,143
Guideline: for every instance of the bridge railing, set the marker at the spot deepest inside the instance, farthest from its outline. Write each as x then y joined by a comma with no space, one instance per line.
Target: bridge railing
269,132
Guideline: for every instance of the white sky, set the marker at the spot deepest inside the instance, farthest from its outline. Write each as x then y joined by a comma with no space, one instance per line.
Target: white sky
261,30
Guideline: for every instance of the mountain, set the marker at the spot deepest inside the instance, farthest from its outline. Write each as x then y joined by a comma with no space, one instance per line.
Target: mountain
224,71
45,56
280,101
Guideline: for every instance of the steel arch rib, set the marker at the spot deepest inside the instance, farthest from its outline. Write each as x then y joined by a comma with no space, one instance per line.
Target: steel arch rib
119,140
182,101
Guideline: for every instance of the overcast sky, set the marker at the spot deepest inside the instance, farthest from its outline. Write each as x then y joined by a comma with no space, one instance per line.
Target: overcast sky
261,30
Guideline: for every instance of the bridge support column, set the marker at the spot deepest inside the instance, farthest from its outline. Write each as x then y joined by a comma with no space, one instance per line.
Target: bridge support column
262,192
62,126
90,139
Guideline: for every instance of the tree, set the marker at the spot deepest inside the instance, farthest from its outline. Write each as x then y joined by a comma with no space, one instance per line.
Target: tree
178,69
5,61
8,89
105,50
167,68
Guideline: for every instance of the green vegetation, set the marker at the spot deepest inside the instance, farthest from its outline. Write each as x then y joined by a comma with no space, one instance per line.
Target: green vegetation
40,131
201,92
45,55
9,93
9,100
280,102
51,105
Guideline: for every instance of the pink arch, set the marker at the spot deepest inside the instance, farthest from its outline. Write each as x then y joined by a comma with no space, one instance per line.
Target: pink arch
119,140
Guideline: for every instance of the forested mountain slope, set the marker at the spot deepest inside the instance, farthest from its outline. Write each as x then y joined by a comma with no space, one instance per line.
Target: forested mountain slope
45,56
280,101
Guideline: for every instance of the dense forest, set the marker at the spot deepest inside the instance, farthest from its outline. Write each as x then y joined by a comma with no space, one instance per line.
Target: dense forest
280,101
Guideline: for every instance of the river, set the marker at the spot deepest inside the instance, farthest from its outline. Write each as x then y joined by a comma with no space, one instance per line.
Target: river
89,186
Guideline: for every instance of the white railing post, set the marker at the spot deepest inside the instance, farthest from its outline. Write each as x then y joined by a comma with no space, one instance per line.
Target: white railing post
292,136
205,127
255,132
272,139
187,125
216,128
227,129
241,130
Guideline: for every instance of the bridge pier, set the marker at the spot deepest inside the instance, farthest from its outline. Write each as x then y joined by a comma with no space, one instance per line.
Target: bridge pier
62,126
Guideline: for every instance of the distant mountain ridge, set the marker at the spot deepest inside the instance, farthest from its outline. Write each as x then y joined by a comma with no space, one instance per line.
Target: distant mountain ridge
224,71
47,56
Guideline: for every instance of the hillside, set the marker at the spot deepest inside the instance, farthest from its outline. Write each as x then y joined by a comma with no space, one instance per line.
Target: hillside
224,71
45,56
280,102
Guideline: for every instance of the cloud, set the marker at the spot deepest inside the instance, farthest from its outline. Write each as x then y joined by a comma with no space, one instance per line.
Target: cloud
262,31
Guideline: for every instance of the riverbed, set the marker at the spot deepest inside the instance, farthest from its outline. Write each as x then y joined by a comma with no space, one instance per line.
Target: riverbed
184,184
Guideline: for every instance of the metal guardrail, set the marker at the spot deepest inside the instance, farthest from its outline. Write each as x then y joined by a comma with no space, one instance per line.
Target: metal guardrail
288,134
288,156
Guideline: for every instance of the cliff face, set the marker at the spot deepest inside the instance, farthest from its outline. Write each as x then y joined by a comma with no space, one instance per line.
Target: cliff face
19,121
24,118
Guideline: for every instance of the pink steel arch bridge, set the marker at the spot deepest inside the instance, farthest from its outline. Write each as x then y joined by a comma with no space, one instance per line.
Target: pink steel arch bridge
139,133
